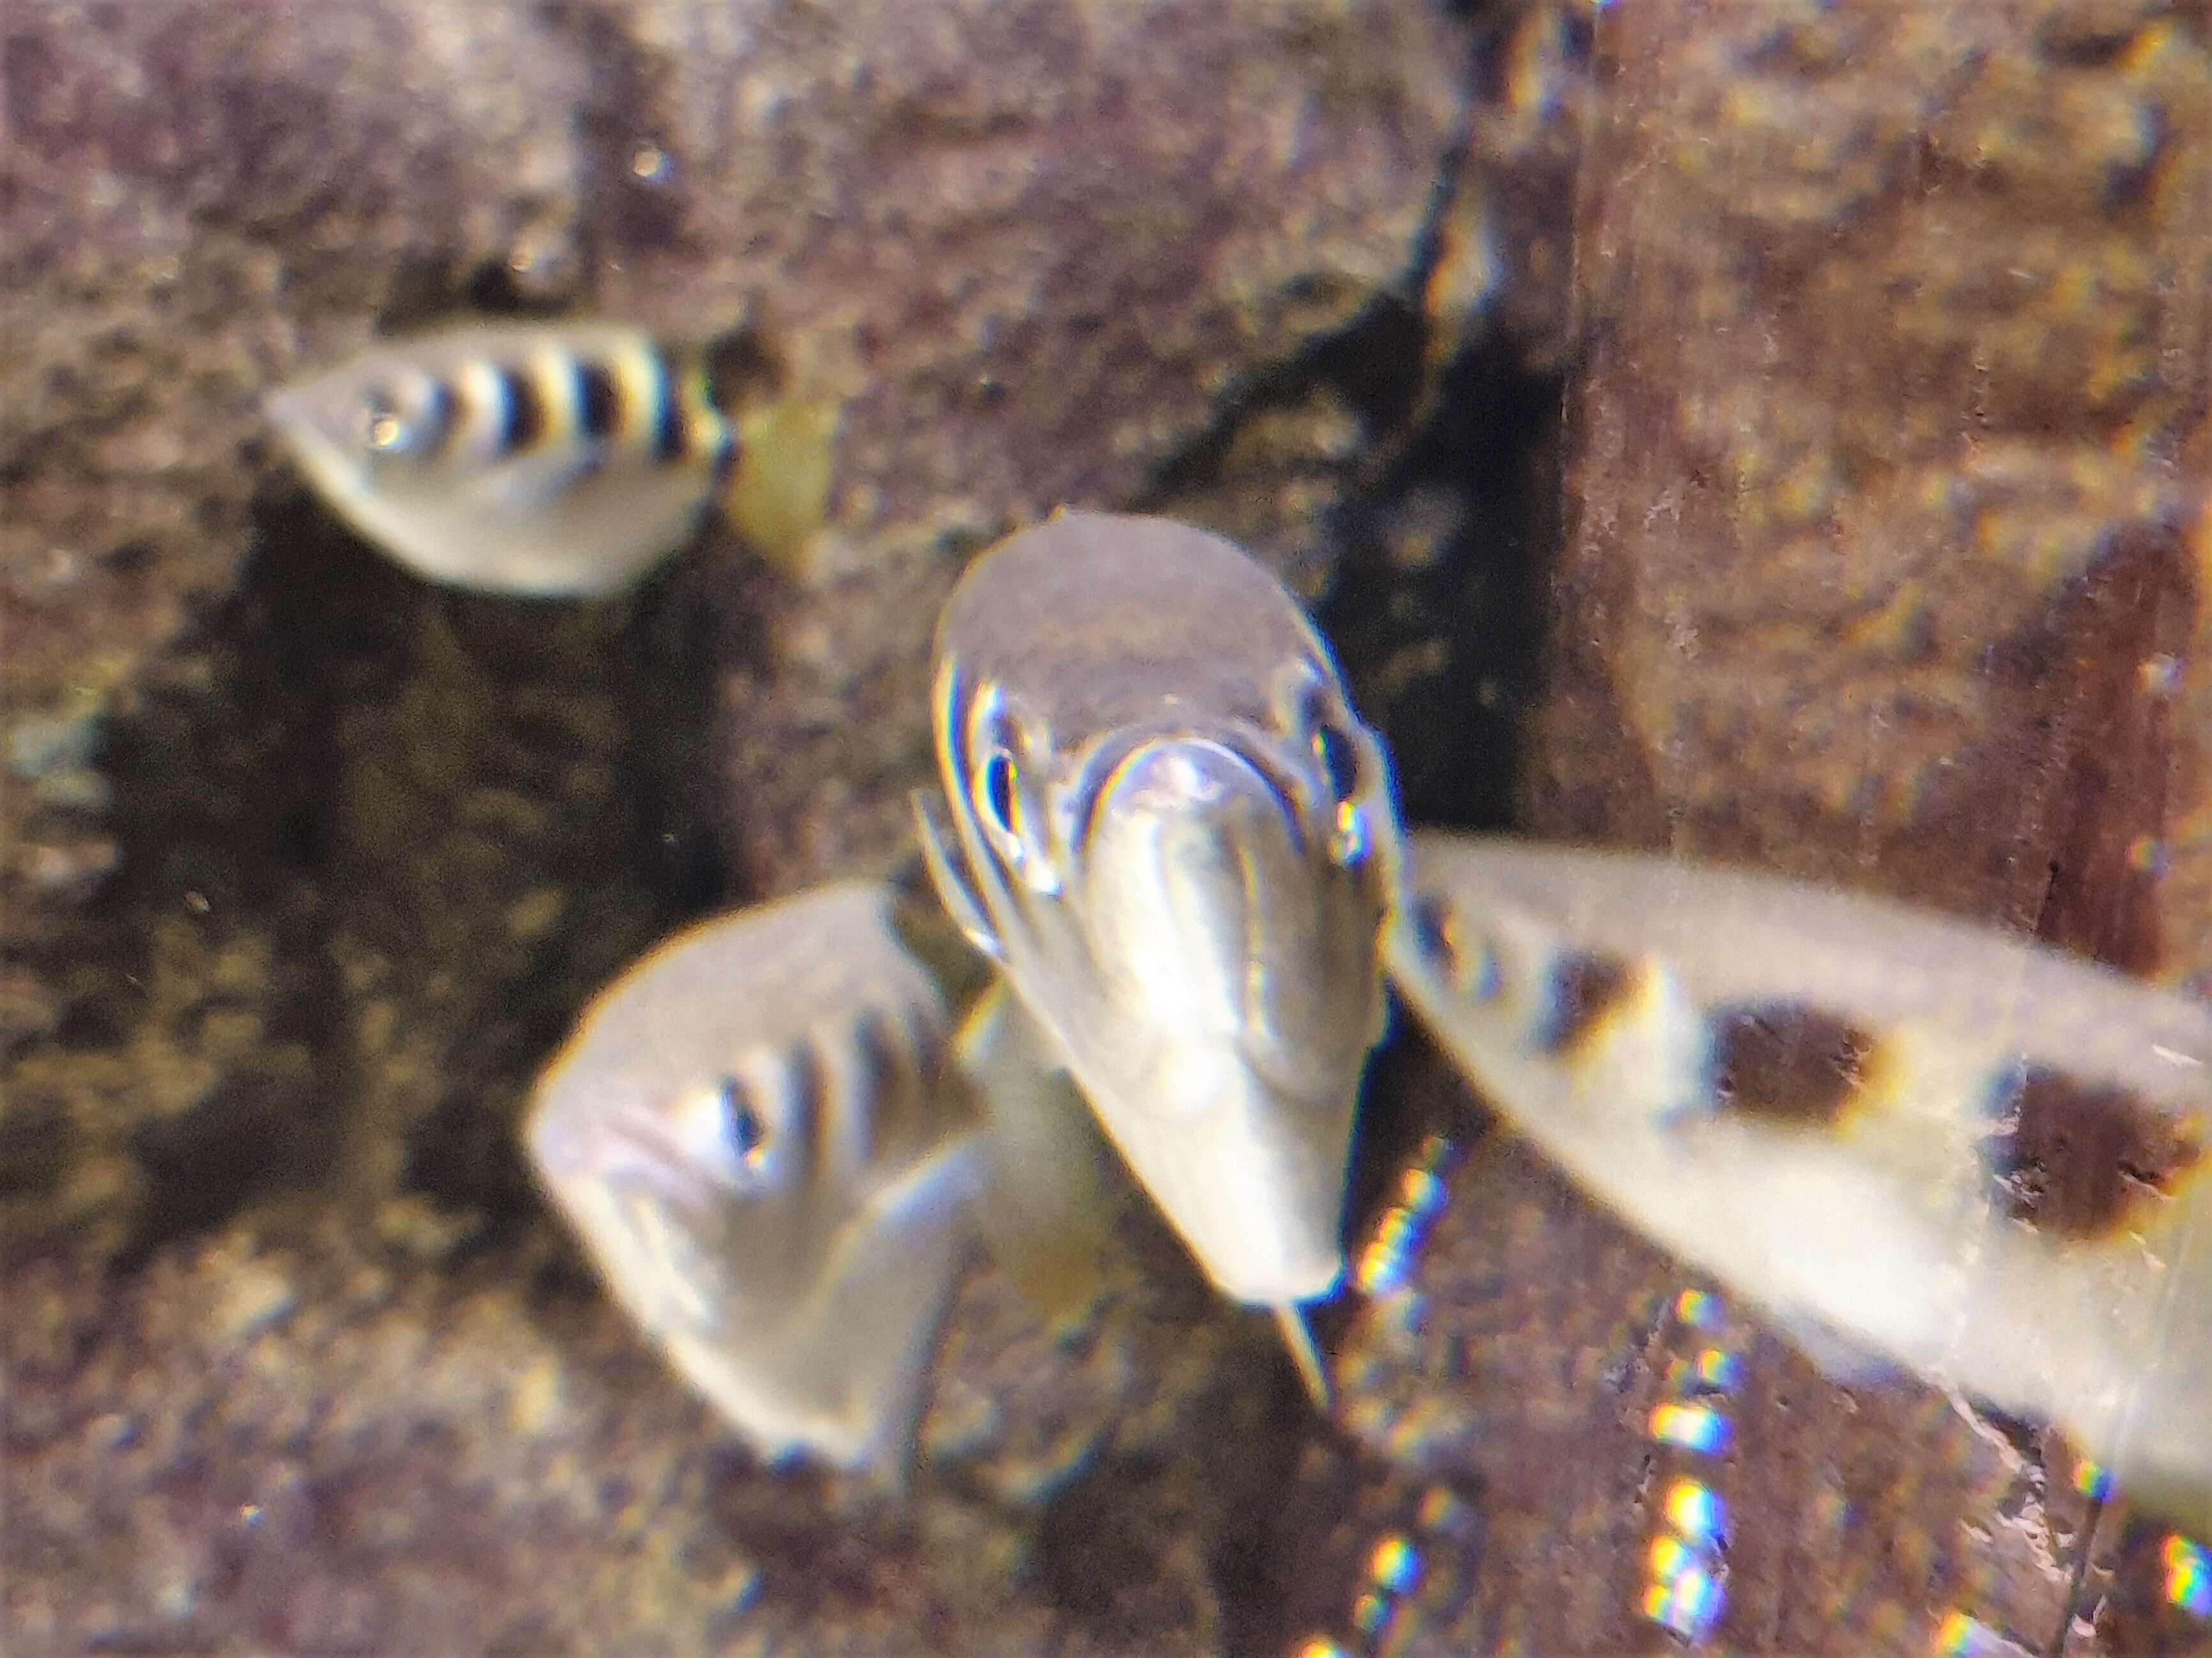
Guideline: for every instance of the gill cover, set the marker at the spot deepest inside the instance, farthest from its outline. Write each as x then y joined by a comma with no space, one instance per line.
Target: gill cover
1163,821
757,1134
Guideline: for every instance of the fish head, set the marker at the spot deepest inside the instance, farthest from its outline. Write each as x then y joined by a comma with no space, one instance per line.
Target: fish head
382,413
1162,818
755,1134
728,1106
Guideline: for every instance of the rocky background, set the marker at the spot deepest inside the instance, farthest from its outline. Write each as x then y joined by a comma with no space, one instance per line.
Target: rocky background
1756,429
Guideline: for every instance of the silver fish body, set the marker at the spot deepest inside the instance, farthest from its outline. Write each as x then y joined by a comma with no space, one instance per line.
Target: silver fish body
1980,1158
757,1133
552,458
1162,820
1966,1154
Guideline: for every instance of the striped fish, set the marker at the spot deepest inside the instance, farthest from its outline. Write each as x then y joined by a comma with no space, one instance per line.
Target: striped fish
556,458
1162,819
1905,1135
757,1132
1978,1158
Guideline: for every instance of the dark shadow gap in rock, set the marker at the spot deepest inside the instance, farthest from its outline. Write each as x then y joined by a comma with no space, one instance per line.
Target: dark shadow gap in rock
500,802
1436,612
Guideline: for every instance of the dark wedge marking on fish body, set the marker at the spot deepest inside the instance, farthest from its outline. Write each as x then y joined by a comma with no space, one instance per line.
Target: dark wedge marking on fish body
1586,986
725,464
599,401
442,420
665,408
1436,928
520,412
884,1085
806,1077
1787,1061
2080,1160
925,1045
1440,934
527,419
875,1055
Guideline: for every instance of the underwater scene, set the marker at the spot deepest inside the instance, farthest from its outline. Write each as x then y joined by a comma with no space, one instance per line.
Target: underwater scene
1327,827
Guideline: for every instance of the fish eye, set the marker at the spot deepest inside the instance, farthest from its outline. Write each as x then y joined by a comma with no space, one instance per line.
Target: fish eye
1006,823
1339,759
743,1129
1334,748
383,426
999,796
998,793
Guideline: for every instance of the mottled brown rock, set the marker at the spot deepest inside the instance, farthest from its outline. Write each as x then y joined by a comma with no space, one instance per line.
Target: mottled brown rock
1891,459
325,861
304,866
344,1434
1887,506
1028,249
1506,242
198,198
1031,286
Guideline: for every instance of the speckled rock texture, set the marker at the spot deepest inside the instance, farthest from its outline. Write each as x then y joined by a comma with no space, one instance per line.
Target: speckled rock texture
1843,512
1888,496
1890,465
1029,251
308,866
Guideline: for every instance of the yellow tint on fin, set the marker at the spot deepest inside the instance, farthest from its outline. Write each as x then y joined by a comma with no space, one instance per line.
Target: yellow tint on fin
1047,1214
779,498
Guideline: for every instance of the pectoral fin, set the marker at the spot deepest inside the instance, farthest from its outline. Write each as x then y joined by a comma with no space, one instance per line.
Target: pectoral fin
1048,1215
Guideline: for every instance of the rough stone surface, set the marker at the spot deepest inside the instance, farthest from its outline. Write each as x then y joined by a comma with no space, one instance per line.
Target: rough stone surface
1885,499
1888,467
1028,250
337,1436
1059,272
1890,473
307,865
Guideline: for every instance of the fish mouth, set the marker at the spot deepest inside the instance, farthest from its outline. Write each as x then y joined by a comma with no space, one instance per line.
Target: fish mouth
1251,1176
1216,995
645,1157
292,421
1187,843
1288,1245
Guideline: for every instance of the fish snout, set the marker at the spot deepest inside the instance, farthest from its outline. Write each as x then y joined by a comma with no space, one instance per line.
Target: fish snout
1210,906
1189,843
